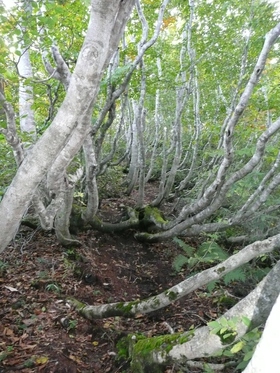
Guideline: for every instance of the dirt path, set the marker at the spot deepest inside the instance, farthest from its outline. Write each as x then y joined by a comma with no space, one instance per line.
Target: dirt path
39,333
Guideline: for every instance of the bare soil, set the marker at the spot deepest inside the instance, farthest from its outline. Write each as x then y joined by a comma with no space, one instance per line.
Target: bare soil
40,333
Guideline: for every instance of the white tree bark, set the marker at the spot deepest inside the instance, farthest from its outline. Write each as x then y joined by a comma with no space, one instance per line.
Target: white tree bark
26,114
256,307
214,194
106,25
265,358
91,182
133,172
129,309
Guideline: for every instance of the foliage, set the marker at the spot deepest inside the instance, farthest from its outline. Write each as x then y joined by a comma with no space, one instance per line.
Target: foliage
209,253
225,329
53,287
110,183
8,167
138,348
5,354
244,348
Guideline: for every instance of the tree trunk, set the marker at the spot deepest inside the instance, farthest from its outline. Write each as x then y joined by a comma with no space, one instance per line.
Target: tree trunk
202,343
105,28
130,309
265,358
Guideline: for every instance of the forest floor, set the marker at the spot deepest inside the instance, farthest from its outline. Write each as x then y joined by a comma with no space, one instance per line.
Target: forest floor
40,333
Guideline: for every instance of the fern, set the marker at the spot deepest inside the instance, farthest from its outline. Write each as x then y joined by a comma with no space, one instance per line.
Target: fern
210,252
258,273
179,262
189,250
211,286
237,274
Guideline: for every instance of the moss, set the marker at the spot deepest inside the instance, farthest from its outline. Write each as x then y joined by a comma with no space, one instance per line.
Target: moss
156,302
220,270
139,349
155,213
143,237
151,218
79,306
141,357
126,308
171,295
165,343
125,344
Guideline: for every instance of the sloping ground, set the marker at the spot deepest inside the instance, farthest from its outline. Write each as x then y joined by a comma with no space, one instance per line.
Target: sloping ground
40,333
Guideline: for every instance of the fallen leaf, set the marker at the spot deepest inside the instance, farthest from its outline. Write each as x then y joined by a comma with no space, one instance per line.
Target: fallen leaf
28,347
29,322
41,360
11,288
8,331
74,358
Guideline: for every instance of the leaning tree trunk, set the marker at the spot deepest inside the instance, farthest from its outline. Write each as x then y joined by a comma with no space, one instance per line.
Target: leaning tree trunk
203,343
265,358
105,28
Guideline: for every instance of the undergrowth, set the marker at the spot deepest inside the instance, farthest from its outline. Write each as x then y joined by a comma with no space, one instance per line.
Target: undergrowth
211,253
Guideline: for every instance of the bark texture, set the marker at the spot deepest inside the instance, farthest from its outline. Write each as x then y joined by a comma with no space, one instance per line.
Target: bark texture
105,28
265,358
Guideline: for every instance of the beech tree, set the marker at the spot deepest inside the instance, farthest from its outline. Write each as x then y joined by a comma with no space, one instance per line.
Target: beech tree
185,95
103,34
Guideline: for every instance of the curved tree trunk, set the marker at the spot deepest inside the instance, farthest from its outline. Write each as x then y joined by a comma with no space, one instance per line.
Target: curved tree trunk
202,343
130,309
105,28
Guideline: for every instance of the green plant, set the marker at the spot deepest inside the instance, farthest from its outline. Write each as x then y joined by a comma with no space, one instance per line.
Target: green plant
3,264
72,325
4,354
29,363
209,252
53,287
243,348
225,329
43,274
247,347
3,268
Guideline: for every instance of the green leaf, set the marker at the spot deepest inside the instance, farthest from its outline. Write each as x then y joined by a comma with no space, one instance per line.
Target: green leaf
189,250
246,321
214,325
237,347
211,286
179,261
248,355
223,330
223,321
210,252
242,365
237,274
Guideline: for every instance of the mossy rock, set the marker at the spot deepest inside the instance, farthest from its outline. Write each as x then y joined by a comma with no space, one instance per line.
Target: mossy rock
139,349
151,219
